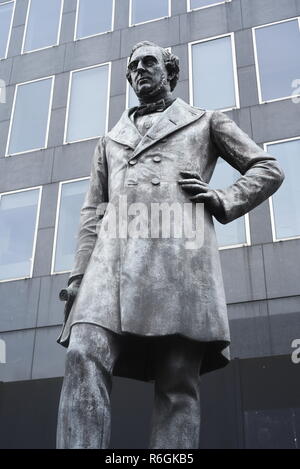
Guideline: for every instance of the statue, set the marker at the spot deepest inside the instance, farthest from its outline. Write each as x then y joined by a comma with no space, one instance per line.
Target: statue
151,307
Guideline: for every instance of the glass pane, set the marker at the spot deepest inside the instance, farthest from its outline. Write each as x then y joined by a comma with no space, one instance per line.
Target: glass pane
233,233
30,118
6,12
132,98
18,216
94,17
43,24
72,198
278,70
145,10
88,104
203,3
213,75
286,200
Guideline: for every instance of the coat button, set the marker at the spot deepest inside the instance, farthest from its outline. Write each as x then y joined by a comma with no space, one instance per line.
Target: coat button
132,162
148,125
157,159
155,181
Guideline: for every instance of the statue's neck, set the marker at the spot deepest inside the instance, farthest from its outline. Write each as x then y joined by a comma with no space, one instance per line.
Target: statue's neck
167,97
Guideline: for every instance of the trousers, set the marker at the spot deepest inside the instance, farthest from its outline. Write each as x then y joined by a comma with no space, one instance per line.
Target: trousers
84,417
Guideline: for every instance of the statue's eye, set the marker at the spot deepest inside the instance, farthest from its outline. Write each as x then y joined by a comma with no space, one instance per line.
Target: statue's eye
149,61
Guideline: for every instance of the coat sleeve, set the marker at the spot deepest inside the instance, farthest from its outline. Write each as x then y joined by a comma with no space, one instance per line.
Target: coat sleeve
261,174
92,211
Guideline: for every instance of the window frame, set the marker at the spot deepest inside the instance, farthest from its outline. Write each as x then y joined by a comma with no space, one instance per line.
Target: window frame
217,2
8,155
10,28
65,142
235,69
130,24
257,70
38,212
26,27
75,38
247,243
271,205
68,181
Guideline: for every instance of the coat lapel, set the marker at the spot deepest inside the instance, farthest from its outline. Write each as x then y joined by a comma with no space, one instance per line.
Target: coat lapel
177,116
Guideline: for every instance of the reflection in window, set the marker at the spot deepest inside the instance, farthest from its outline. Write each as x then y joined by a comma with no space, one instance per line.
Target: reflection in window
194,4
43,24
278,58
145,10
18,224
30,120
214,79
88,103
6,16
93,17
286,201
233,233
71,200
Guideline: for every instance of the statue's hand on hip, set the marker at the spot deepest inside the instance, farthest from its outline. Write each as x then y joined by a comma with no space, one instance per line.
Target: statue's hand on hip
200,192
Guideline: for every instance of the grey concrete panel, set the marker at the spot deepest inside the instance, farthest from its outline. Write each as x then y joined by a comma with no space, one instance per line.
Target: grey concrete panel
73,160
48,205
121,14
27,170
243,272
203,24
69,5
244,48
38,64
118,77
60,93
19,354
6,108
19,304
247,86
178,7
57,127
249,330
182,53
20,12
257,12
92,51
289,305
275,121
234,15
51,309
285,328
4,126
49,357
164,32
117,107
182,90
5,70
282,268
43,257
243,119
260,224
298,6
15,44
67,27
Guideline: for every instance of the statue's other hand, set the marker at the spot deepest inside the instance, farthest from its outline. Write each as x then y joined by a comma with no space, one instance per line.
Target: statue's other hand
69,294
200,192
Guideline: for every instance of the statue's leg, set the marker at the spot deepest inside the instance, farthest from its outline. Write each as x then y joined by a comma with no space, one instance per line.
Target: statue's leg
84,419
176,413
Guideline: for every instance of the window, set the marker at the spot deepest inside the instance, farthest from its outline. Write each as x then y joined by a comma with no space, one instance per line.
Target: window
236,233
42,24
70,201
284,204
93,17
213,81
197,4
142,11
30,119
277,59
19,214
6,19
87,114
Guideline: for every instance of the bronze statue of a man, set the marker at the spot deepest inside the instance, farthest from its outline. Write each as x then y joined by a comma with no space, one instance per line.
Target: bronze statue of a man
148,307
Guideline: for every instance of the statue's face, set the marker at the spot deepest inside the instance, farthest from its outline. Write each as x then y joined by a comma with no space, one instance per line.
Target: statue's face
148,72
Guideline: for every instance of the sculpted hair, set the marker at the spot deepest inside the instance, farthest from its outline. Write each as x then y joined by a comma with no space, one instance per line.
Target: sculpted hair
171,62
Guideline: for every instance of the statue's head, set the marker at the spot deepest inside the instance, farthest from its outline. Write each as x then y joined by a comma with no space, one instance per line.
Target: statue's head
152,71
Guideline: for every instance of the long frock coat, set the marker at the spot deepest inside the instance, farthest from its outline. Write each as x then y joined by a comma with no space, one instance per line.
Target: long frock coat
146,287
